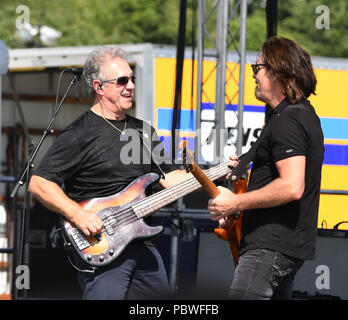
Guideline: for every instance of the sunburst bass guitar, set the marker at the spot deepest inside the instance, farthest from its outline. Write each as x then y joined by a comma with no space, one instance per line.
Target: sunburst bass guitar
123,215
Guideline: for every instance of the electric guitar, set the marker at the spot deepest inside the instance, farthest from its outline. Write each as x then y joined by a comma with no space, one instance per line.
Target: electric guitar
123,215
232,232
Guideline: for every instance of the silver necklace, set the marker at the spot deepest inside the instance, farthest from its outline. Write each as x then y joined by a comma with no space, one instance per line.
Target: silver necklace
123,133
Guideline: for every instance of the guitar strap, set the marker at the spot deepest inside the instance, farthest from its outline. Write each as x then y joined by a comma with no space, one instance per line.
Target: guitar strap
247,157
145,137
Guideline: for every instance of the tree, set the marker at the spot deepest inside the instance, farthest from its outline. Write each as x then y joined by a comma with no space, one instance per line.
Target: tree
298,20
96,22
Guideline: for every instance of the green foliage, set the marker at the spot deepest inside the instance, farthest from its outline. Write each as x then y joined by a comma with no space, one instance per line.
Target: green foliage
301,26
297,20
95,22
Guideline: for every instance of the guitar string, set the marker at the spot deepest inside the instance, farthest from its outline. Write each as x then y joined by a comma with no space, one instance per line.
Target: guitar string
216,173
128,215
125,212
164,193
163,196
158,197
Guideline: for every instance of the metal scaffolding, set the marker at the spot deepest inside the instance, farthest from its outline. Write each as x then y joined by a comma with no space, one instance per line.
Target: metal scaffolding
225,11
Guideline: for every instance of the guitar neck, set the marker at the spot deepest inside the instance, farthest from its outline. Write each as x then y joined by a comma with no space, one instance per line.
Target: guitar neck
160,199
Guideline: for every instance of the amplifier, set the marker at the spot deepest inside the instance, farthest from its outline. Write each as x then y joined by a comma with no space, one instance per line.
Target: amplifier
215,266
326,276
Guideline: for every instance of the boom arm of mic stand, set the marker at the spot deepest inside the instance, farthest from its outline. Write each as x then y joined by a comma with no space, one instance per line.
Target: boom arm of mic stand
49,129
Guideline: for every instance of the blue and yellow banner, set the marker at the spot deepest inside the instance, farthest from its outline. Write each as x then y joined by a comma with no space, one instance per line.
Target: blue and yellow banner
330,102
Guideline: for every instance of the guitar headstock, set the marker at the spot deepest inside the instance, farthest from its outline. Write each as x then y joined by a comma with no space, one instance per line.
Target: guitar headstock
196,171
188,156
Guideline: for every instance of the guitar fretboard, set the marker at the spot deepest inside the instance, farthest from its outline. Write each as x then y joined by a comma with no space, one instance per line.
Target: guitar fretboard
160,199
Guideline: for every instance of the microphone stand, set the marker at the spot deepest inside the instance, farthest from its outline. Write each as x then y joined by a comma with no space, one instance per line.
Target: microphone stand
23,240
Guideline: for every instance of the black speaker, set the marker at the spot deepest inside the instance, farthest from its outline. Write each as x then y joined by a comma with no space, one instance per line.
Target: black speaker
327,275
52,276
215,266
324,278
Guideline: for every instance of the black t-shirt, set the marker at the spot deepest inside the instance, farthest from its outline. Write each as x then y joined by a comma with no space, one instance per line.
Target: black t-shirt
292,227
92,160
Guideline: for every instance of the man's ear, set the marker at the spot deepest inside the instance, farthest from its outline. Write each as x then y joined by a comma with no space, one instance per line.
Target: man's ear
98,86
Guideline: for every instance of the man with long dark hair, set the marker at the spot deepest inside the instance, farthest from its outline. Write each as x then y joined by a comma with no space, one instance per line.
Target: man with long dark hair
281,205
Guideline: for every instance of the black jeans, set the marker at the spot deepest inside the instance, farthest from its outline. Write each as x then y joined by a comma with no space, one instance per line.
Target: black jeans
264,274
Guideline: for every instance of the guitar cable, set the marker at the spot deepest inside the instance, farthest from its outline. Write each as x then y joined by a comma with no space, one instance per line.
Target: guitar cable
68,247
92,270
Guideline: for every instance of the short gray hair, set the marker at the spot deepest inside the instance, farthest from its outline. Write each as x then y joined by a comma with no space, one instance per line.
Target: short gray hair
94,66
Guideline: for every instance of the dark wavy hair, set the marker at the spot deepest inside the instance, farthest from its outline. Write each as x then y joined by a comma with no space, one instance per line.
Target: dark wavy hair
291,66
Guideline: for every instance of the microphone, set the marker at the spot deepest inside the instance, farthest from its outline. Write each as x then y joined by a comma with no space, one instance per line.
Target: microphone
76,71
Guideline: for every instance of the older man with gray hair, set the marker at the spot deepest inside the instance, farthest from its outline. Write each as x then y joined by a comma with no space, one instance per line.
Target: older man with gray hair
86,159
